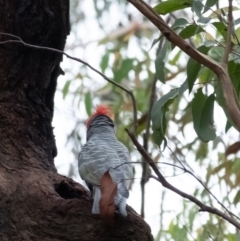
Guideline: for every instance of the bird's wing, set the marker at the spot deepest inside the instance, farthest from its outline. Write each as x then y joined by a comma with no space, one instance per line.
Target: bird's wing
97,158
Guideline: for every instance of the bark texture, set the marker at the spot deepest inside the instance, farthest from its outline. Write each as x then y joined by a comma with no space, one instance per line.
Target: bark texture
36,203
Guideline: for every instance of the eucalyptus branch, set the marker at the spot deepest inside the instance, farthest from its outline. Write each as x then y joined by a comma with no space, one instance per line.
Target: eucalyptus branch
160,178
129,92
229,33
220,69
183,168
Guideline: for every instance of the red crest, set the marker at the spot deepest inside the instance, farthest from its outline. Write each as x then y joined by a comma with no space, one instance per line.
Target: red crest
100,110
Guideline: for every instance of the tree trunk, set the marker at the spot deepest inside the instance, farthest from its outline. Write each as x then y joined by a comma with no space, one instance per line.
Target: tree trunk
36,203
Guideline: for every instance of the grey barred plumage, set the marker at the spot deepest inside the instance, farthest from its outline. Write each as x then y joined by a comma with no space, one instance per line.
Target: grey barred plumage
104,152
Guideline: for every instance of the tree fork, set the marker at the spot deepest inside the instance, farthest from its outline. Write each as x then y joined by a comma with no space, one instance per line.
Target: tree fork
36,203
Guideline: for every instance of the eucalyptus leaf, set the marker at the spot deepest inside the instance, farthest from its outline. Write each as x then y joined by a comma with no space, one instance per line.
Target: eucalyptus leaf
222,28
122,72
237,21
172,5
155,41
203,19
202,111
190,31
197,107
193,68
66,88
104,62
160,64
179,23
207,128
158,118
88,103
197,7
236,199
209,4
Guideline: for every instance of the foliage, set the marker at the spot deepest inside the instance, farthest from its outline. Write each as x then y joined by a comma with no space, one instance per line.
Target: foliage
135,56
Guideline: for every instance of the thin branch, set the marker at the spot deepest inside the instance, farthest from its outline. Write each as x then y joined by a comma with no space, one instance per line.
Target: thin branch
201,182
229,33
209,235
162,211
160,178
11,35
184,171
185,227
20,41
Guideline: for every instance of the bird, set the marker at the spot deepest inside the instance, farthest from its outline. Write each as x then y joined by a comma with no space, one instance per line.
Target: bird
104,153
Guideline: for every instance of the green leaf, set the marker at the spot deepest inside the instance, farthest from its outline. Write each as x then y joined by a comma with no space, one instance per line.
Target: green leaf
159,63
88,103
158,118
104,62
193,68
228,126
236,165
204,19
197,7
237,21
192,214
209,43
236,37
236,199
197,107
205,75
209,4
155,41
122,72
179,23
172,5
190,31
202,111
183,87
207,128
175,59
222,102
234,72
217,53
66,88
158,135
221,28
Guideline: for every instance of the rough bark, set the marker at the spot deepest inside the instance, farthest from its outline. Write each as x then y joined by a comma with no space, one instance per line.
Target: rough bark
36,203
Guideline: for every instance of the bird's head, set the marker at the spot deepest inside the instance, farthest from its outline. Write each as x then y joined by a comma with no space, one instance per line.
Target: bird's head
102,116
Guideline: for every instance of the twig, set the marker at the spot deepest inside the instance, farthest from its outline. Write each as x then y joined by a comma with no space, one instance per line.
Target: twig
185,227
189,172
209,235
162,211
229,33
160,178
20,41
201,182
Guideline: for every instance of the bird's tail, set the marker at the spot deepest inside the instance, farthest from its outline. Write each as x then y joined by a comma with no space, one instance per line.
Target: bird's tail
96,199
120,199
